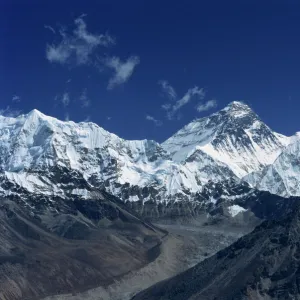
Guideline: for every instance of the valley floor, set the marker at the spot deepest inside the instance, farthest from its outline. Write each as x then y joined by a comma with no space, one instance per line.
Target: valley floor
184,247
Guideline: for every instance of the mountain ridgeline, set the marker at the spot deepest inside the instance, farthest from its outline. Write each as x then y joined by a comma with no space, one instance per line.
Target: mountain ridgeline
233,147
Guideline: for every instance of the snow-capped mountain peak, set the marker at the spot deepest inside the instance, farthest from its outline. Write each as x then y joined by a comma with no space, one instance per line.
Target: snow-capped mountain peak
234,136
238,107
283,176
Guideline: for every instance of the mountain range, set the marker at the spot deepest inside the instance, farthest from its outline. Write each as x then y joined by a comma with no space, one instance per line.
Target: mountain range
41,155
78,201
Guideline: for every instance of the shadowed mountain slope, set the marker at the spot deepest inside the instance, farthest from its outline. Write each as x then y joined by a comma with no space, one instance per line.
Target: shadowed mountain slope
265,264
70,247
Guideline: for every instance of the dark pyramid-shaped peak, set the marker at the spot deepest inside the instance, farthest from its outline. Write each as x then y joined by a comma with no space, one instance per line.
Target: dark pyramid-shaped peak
238,105
235,115
238,110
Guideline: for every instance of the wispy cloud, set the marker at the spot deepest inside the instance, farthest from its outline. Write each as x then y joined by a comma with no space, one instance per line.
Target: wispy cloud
194,92
122,70
81,33
59,54
8,112
155,121
168,90
207,105
50,28
166,106
87,119
108,118
85,101
172,109
63,99
79,44
16,99
67,117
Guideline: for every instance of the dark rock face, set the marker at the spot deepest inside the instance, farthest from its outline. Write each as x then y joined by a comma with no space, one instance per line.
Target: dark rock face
261,265
258,206
210,205
232,126
52,246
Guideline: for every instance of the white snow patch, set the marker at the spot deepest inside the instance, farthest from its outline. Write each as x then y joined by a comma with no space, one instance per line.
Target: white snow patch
134,198
235,210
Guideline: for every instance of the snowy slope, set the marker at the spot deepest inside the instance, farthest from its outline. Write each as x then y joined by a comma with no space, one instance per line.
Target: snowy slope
34,143
42,155
234,136
45,155
283,176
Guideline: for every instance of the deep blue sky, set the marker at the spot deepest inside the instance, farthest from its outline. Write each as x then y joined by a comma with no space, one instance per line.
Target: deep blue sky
235,50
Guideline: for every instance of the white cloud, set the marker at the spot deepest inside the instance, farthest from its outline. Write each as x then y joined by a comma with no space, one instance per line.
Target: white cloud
65,99
8,112
91,39
108,118
50,28
16,98
87,119
166,106
85,101
59,54
79,47
168,89
155,121
79,44
123,70
172,108
195,91
67,117
206,106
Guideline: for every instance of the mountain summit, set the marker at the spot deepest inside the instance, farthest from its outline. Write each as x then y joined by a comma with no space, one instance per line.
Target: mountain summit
235,136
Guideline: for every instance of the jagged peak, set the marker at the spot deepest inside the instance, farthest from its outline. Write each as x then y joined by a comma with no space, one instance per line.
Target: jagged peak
37,117
238,104
234,110
36,113
237,109
33,112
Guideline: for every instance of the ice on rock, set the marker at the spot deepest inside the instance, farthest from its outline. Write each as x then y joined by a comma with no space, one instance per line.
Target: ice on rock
45,155
234,136
234,210
283,176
